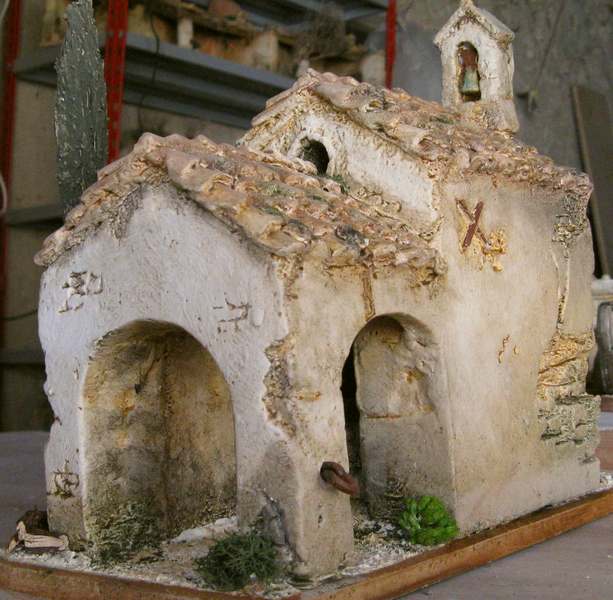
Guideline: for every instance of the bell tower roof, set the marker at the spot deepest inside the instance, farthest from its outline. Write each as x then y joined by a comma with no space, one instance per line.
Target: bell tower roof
468,12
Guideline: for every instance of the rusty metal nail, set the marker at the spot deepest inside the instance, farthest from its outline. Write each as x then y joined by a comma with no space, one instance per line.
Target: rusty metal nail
334,474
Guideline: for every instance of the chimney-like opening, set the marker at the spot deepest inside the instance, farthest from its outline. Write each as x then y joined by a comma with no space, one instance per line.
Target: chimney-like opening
469,80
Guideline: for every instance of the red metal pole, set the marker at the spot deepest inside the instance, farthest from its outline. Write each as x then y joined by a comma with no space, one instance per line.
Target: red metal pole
114,70
12,33
390,43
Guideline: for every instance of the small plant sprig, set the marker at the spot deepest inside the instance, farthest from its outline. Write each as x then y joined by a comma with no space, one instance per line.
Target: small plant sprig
427,522
233,561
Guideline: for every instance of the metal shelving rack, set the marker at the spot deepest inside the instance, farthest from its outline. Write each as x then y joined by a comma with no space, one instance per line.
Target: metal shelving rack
194,84
22,357
36,216
294,13
187,82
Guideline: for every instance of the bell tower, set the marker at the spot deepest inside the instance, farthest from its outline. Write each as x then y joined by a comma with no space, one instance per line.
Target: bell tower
477,56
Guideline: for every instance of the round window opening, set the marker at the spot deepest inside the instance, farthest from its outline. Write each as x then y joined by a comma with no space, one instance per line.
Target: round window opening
316,153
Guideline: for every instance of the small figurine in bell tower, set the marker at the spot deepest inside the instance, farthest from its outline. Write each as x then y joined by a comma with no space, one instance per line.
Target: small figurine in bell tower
468,58
477,56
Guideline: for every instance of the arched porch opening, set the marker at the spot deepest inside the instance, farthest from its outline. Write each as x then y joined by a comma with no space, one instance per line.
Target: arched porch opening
158,431
396,443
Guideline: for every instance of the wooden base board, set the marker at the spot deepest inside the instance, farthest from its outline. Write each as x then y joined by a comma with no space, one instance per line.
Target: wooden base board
606,403
384,584
604,452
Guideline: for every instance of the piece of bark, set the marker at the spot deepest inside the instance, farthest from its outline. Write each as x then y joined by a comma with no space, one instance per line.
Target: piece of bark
34,519
32,532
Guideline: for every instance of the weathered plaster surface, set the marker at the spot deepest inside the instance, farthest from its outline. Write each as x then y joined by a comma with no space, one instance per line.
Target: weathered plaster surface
165,282
447,261
403,442
532,237
502,323
567,413
154,431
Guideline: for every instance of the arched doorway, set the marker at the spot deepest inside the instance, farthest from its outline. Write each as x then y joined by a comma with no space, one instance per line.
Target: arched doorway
158,430
392,388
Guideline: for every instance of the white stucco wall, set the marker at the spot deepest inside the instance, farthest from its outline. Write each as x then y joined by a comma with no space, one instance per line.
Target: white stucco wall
500,321
490,320
414,449
504,301
174,263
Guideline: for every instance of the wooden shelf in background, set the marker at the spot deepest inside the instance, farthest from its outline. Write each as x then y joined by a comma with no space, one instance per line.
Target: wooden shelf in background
296,13
177,80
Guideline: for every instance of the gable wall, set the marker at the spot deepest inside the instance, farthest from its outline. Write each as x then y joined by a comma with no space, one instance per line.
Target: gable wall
174,263
356,154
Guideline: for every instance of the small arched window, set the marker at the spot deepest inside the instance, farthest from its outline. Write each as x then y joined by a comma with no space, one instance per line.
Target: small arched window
470,79
315,152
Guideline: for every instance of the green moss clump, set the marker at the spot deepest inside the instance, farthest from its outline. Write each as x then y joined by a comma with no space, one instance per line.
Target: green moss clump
427,522
272,210
128,530
231,562
443,119
271,188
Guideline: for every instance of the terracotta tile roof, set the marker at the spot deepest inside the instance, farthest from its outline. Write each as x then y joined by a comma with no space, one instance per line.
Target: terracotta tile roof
439,138
282,206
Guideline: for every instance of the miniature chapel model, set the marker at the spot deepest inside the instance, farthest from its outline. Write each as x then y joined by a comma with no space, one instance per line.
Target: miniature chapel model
369,278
